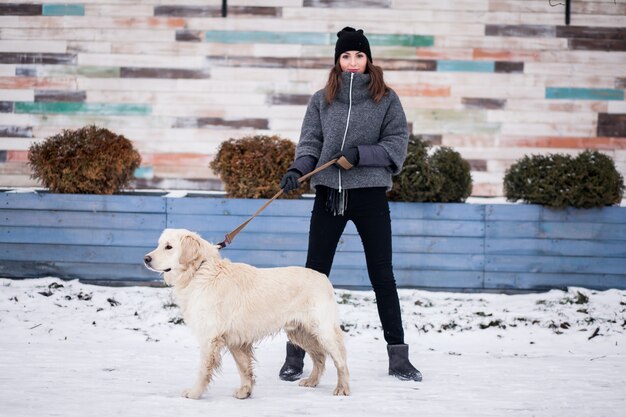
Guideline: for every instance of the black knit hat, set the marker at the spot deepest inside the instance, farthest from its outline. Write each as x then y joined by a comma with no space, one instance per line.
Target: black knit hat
350,39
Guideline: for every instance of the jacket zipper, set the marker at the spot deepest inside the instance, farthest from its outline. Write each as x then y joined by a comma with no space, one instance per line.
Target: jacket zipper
345,133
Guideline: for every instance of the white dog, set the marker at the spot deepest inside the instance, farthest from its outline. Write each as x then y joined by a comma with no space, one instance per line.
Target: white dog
234,305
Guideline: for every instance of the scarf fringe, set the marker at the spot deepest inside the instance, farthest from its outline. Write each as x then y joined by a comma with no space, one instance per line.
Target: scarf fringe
337,202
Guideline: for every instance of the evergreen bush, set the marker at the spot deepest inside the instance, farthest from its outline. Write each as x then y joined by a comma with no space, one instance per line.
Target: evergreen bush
443,177
252,166
588,180
89,160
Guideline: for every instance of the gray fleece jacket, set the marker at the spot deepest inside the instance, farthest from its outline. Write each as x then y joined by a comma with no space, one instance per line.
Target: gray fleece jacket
353,119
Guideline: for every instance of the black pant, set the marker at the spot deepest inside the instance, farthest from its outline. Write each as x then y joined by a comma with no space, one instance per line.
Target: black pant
369,211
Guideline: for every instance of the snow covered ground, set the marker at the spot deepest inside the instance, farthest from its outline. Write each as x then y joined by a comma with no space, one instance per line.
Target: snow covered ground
75,350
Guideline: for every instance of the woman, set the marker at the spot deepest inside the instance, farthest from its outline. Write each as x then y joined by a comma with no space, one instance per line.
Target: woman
357,119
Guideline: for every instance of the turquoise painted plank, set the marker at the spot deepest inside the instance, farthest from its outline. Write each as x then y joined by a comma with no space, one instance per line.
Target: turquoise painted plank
465,66
101,109
570,93
400,40
77,270
84,202
556,247
303,38
555,264
540,281
79,219
144,172
76,236
73,253
63,10
552,230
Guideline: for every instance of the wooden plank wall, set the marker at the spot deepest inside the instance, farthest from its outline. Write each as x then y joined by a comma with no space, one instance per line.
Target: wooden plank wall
495,79
451,246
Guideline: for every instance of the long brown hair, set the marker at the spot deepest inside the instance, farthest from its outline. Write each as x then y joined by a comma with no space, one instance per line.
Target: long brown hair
377,86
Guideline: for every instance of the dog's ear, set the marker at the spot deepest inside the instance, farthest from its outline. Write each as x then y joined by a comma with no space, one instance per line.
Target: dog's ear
190,252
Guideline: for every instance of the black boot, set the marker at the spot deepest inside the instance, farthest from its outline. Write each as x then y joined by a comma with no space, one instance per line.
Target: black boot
399,364
294,362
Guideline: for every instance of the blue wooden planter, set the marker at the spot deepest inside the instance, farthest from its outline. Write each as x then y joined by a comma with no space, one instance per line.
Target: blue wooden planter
453,246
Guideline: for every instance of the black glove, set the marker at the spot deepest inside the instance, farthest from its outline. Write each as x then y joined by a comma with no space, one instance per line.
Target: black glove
289,182
347,158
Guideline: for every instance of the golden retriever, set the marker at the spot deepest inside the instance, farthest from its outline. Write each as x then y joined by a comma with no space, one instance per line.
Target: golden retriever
234,305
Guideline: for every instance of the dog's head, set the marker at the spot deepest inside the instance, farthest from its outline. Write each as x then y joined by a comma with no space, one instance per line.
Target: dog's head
179,254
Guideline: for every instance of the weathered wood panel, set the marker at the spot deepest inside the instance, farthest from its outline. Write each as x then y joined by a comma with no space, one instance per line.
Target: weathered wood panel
140,68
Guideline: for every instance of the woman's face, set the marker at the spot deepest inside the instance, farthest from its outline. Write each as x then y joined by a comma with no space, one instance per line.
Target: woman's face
353,61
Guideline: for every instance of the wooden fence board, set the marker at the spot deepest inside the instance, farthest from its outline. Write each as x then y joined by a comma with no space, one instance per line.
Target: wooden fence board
544,281
100,220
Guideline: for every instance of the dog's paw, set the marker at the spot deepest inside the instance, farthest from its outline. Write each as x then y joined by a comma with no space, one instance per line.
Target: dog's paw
192,393
308,382
243,392
342,390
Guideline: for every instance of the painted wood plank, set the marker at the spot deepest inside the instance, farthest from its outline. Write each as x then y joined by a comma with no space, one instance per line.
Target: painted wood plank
555,264
37,58
266,259
597,45
436,279
6,107
569,93
555,247
465,66
437,211
16,131
203,122
77,270
591,32
304,38
508,67
267,224
347,3
40,218
552,230
185,35
612,125
545,281
140,72
534,212
202,205
47,96
523,31
483,103
151,203
83,108
56,9
70,253
17,9
79,236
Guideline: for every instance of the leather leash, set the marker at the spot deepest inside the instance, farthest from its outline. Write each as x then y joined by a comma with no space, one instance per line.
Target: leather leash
228,238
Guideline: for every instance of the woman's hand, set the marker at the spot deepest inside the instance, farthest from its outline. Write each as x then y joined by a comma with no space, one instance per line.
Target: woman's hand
289,182
347,158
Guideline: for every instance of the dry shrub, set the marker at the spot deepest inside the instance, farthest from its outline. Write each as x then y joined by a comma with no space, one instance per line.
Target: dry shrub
89,160
252,166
